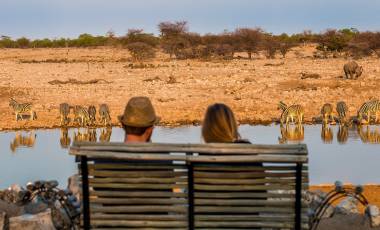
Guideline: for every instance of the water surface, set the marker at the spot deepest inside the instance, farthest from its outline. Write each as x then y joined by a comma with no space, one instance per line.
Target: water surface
348,155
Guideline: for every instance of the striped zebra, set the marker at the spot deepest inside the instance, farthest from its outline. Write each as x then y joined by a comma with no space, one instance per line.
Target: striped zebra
291,113
342,110
104,114
92,114
81,115
22,108
326,112
64,111
369,108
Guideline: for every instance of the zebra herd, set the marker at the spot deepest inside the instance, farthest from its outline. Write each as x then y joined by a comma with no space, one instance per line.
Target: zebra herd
84,116
295,113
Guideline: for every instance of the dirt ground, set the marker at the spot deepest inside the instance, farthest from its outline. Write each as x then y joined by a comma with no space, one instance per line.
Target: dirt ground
180,90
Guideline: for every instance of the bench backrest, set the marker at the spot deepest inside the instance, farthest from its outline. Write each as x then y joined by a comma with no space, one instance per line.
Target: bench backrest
192,186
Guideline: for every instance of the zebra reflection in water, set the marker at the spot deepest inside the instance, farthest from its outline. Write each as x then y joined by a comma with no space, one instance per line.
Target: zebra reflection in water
21,140
291,133
369,134
327,134
65,139
88,135
105,134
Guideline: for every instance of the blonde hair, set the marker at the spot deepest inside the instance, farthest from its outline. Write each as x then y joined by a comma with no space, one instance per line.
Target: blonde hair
219,125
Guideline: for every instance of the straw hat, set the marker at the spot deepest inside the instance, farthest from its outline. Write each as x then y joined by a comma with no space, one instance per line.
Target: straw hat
139,112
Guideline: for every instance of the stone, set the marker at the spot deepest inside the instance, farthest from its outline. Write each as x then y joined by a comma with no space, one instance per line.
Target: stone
35,206
74,185
40,221
347,206
374,215
11,209
2,220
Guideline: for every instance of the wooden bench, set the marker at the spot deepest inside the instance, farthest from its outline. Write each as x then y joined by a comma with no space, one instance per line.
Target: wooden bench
192,186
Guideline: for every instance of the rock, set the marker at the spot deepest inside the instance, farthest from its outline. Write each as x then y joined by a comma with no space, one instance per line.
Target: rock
40,221
374,215
35,206
347,206
74,185
2,220
314,199
11,209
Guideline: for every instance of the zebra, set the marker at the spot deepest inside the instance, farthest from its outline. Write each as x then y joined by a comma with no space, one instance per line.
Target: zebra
342,110
326,112
104,114
81,115
92,114
21,108
64,111
291,113
367,109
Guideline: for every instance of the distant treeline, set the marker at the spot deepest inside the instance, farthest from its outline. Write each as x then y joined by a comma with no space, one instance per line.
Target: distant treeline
176,40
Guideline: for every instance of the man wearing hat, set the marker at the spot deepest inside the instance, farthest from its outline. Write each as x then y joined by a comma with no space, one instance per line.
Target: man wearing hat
138,120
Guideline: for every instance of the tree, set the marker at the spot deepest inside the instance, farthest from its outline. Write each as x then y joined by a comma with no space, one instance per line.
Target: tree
270,45
172,36
23,42
141,51
285,43
249,39
138,35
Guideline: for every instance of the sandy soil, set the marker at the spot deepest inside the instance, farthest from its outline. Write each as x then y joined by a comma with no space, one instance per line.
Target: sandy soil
251,87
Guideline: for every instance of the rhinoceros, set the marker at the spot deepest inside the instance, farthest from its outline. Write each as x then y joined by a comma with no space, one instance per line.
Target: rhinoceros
352,70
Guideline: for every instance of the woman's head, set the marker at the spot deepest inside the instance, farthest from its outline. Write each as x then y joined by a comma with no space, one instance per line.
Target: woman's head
219,125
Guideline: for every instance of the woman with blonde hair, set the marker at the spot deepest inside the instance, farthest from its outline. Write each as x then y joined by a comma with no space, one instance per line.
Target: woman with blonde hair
220,126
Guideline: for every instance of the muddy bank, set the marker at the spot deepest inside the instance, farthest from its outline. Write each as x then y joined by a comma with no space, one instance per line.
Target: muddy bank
179,90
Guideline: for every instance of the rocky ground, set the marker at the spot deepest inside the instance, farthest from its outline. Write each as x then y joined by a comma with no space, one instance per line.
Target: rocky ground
180,90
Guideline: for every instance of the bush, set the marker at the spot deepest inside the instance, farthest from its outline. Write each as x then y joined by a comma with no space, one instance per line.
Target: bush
249,40
141,51
23,43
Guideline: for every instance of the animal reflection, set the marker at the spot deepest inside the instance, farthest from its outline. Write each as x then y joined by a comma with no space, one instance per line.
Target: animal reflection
368,134
342,134
88,135
105,134
64,139
327,134
23,141
291,134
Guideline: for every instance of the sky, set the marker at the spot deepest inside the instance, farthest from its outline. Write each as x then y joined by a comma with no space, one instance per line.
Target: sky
69,18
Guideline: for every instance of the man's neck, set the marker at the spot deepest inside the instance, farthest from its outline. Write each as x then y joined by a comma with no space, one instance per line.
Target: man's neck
134,139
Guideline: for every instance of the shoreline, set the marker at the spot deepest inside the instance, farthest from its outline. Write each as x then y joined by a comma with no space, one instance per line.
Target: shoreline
161,124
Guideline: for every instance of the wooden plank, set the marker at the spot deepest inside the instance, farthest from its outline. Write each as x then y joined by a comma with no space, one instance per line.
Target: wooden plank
166,157
242,195
245,187
256,181
229,209
274,218
137,186
245,202
139,180
131,223
136,194
100,216
238,175
143,201
131,166
139,209
234,168
223,225
218,148
136,174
